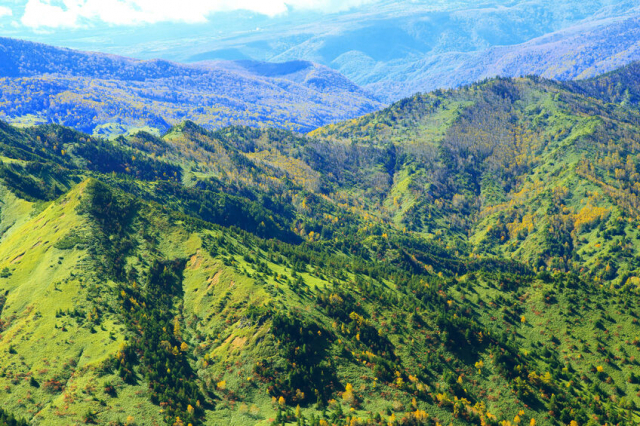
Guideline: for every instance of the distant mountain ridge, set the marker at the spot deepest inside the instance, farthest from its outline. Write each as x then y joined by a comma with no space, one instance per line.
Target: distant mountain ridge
579,52
107,94
396,48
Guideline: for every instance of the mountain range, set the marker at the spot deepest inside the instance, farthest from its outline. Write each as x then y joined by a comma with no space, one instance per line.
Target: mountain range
395,49
315,63
109,95
462,256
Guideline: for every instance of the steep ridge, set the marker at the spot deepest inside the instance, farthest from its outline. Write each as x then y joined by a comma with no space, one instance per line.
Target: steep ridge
514,166
463,257
111,95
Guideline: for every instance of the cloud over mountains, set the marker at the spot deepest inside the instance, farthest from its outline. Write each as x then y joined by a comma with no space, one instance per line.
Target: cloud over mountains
74,13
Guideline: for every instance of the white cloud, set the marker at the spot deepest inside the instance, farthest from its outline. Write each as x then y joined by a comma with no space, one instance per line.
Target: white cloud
42,14
73,13
5,11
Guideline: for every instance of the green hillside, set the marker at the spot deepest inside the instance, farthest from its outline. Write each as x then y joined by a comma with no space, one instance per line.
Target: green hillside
462,257
525,169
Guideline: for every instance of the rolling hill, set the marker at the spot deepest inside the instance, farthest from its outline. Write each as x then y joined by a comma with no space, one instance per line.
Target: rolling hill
109,95
466,256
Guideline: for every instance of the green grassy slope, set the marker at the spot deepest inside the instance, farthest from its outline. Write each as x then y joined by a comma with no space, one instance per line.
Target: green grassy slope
462,257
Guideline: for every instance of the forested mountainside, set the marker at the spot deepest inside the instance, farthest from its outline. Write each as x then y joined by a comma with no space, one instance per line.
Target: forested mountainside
462,257
519,168
110,95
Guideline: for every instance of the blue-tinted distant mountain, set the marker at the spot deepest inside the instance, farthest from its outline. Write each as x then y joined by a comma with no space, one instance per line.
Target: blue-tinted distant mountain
396,48
107,94
579,52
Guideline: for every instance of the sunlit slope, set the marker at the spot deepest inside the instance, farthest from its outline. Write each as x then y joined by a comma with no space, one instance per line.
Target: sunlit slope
55,332
528,169
62,332
243,320
462,257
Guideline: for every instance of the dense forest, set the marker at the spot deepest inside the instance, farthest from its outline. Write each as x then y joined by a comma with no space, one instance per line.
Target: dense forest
107,95
461,257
